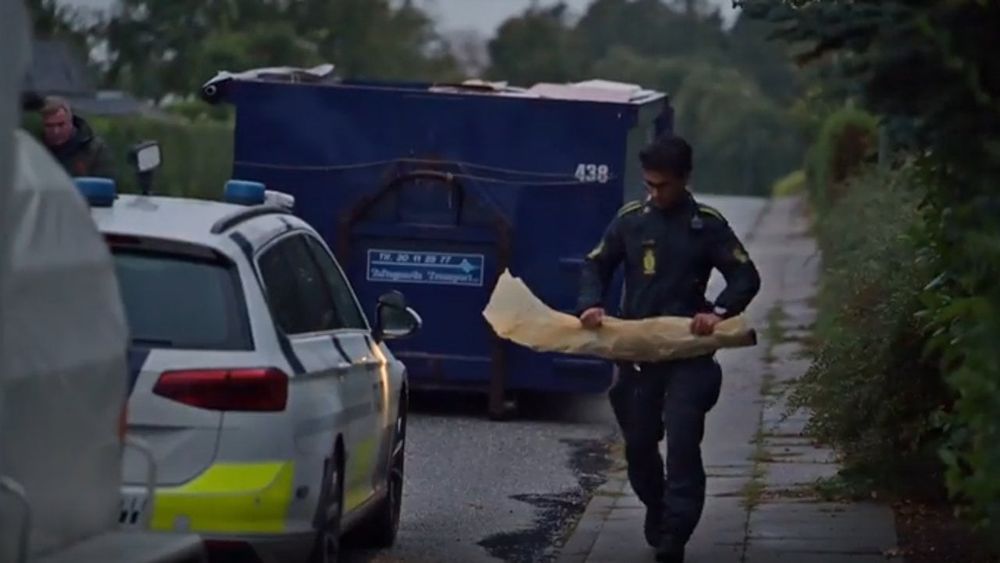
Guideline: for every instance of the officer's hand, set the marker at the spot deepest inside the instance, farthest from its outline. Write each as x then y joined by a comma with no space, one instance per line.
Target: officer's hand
703,324
592,318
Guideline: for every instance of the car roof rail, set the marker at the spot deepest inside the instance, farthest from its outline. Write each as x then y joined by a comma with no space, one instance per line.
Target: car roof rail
230,221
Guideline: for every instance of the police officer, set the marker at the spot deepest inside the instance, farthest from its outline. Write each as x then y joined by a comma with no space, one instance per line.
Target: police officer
669,245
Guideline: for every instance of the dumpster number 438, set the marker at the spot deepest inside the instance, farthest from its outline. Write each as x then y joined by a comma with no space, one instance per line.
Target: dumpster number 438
599,173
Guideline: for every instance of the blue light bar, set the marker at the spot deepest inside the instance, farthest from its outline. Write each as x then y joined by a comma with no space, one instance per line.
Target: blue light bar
99,192
244,192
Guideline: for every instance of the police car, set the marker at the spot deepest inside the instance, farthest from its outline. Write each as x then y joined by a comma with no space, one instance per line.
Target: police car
275,413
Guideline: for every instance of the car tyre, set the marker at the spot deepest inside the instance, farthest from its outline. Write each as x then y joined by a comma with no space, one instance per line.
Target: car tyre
381,526
327,543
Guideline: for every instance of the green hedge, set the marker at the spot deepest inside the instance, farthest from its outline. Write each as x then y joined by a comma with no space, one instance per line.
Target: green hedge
962,306
873,392
846,141
197,156
948,133
905,377
790,185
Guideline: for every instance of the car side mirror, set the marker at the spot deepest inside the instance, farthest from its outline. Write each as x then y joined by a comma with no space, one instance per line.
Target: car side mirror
393,319
146,158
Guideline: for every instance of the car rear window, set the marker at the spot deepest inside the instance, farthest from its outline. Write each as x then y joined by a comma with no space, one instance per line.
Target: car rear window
175,301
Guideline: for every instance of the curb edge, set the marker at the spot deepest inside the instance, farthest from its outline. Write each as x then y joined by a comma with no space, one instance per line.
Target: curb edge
583,537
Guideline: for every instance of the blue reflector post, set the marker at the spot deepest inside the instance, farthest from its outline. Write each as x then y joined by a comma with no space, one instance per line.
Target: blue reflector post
244,192
99,192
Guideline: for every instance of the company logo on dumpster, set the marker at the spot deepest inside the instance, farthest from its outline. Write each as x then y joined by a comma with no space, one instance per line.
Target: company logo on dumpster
437,268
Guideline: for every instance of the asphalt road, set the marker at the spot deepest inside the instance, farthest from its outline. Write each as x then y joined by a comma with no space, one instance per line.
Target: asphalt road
478,490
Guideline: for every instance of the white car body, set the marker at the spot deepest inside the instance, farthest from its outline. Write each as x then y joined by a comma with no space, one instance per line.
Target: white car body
253,478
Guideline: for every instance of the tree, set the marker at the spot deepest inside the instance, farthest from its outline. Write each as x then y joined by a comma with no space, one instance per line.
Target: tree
154,46
662,73
262,44
158,48
49,18
470,51
536,46
648,27
766,60
373,38
744,141
52,20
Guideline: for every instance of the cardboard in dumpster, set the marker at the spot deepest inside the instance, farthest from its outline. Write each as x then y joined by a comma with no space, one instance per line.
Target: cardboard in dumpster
516,314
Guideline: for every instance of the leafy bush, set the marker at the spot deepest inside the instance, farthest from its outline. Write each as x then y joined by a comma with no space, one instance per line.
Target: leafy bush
845,142
873,392
962,305
792,184
929,68
197,157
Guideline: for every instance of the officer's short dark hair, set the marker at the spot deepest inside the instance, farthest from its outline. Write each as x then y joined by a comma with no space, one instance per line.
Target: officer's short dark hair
669,155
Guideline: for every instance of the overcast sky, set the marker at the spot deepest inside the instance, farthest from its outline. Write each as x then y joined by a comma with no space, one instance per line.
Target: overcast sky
483,16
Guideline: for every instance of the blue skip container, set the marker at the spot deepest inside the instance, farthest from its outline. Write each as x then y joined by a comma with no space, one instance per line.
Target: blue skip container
434,190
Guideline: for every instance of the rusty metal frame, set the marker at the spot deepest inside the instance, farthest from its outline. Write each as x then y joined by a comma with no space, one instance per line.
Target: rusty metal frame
394,180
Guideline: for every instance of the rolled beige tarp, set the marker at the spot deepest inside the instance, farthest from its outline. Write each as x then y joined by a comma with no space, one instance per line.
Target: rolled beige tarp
516,314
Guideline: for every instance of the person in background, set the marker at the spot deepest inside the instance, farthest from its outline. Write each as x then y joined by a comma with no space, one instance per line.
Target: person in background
73,142
669,246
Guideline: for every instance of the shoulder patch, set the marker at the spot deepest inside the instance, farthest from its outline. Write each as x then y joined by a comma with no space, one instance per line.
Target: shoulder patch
711,212
630,207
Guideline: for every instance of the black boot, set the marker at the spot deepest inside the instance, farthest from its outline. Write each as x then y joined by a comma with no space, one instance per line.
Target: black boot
670,551
651,527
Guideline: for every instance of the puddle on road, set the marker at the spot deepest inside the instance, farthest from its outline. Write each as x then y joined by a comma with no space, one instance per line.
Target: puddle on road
557,513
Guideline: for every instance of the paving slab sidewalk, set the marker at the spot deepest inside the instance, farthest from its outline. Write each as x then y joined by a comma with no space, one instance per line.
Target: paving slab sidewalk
760,506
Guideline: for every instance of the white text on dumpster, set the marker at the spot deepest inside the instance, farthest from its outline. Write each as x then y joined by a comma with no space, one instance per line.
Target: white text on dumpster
437,268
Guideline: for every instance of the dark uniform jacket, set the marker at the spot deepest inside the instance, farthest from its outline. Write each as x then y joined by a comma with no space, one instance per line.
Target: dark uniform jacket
85,154
668,256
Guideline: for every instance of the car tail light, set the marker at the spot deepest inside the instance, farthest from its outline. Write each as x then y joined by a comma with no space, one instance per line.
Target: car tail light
261,390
